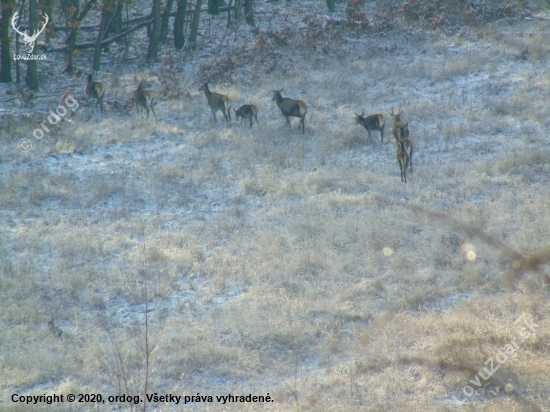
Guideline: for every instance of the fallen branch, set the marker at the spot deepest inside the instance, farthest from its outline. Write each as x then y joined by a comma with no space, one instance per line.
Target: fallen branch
104,42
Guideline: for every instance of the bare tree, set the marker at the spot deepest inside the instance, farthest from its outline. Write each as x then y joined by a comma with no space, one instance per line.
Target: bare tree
5,57
165,21
195,25
74,21
238,9
115,24
331,4
154,34
249,11
106,13
179,36
45,6
31,79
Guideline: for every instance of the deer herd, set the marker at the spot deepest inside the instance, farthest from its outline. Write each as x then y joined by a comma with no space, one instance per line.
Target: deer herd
289,108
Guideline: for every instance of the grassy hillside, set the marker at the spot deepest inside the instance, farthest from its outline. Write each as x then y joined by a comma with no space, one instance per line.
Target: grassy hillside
266,261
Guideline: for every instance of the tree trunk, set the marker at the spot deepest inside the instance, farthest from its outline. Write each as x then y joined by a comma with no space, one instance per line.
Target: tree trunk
108,10
165,21
179,35
153,50
238,9
46,7
195,25
330,5
31,80
213,7
5,57
115,25
73,23
249,11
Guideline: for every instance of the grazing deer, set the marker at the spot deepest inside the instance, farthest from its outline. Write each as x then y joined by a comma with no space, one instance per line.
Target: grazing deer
400,130
95,90
217,101
247,111
372,122
144,98
403,159
291,108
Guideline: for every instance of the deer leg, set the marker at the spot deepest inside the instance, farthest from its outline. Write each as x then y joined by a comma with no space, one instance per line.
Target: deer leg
226,119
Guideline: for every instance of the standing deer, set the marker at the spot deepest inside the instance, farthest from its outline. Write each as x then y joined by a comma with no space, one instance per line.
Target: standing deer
291,108
217,101
247,111
372,122
403,159
144,98
95,90
401,134
400,130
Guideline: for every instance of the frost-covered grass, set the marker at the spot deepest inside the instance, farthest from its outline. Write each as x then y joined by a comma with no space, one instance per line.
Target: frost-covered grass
282,263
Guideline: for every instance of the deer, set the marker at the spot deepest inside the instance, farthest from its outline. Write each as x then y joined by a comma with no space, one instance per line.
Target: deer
400,130
217,101
247,111
29,40
144,98
95,90
403,159
372,122
401,134
291,108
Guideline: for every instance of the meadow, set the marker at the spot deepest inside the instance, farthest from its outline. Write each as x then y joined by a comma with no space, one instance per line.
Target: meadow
181,256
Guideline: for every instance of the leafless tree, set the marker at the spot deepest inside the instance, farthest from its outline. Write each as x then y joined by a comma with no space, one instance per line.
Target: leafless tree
154,34
179,36
5,58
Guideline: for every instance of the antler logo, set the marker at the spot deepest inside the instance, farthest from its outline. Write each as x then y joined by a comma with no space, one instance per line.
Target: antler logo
29,40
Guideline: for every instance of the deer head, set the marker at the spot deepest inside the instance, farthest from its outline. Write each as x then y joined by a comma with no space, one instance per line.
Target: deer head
29,40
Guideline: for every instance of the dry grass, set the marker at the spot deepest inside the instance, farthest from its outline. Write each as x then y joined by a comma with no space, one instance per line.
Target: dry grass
289,264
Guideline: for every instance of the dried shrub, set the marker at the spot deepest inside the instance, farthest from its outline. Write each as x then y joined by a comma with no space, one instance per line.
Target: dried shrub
356,16
383,19
438,20
269,39
445,13
320,33
224,67
478,11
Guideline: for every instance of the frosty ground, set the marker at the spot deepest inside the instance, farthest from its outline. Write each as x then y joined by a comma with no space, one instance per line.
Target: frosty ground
281,263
